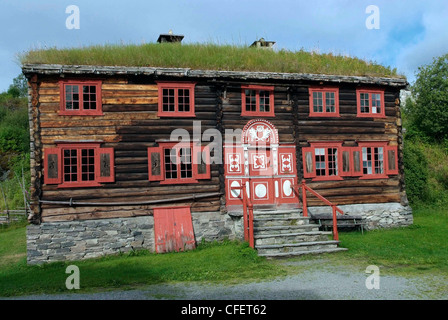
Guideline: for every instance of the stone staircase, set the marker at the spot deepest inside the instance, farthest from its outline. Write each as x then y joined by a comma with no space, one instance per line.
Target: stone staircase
286,233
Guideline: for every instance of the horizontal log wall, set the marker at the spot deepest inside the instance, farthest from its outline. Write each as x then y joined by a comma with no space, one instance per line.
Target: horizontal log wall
129,124
348,128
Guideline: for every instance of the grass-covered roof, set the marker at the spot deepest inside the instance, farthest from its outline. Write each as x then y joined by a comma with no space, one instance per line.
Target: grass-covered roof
209,57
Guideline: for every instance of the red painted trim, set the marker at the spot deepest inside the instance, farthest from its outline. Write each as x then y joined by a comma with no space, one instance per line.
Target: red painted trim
97,151
257,112
324,113
162,167
360,114
194,172
57,152
373,145
81,111
111,177
395,149
176,86
326,145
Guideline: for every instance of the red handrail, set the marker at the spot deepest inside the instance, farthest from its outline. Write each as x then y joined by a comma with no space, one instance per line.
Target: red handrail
248,215
334,208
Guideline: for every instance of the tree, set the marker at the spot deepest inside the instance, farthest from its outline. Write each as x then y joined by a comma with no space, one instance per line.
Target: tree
429,111
19,87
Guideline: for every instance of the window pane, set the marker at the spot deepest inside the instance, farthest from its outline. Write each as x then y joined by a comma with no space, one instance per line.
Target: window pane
376,103
185,164
379,167
320,161
89,97
87,164
332,161
251,100
264,101
365,103
168,104
70,167
170,159
71,97
330,102
318,105
183,100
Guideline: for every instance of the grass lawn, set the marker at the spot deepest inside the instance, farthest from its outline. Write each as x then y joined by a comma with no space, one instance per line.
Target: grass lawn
227,261
416,250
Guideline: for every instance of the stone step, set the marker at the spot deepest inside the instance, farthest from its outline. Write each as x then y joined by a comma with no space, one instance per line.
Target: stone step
294,247
299,253
269,221
297,237
279,214
285,229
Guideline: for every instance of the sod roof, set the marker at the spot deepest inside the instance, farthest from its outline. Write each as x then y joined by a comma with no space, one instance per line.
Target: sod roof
209,57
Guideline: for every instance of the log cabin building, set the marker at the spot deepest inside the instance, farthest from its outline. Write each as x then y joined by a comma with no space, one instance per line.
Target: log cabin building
108,177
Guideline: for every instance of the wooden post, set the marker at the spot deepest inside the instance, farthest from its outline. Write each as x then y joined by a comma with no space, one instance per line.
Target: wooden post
251,226
335,224
245,217
6,204
305,208
22,187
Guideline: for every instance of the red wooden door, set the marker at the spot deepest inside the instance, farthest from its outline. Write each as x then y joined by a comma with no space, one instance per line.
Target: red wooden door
173,229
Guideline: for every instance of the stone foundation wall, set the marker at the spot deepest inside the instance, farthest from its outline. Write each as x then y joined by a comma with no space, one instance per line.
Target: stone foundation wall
77,240
376,215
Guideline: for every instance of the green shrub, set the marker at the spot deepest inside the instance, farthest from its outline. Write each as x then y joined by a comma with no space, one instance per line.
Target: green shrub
416,172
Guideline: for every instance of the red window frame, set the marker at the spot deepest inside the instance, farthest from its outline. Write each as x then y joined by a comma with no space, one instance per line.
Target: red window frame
81,111
371,146
99,155
257,111
324,91
179,165
326,146
177,88
370,114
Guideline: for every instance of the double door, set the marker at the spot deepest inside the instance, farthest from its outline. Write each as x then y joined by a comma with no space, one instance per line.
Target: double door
268,173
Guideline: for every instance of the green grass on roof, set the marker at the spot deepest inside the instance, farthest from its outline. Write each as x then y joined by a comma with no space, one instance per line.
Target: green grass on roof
209,57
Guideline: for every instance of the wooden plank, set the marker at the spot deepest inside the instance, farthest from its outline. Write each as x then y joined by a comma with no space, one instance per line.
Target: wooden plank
131,87
130,100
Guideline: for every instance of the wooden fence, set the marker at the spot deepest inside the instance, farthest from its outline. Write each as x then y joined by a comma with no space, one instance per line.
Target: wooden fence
8,216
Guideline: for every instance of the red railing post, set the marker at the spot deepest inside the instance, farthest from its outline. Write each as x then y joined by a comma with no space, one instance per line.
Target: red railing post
251,226
305,208
335,224
245,216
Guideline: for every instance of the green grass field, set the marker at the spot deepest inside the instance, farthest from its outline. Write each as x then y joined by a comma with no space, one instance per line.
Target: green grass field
416,250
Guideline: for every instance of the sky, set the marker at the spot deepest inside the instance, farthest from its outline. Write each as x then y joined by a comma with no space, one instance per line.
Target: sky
400,34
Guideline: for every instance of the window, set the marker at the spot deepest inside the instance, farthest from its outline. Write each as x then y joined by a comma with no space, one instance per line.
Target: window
332,161
324,102
322,161
178,163
370,103
176,99
80,98
373,159
257,101
79,165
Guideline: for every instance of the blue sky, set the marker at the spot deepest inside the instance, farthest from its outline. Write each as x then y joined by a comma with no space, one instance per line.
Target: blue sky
410,34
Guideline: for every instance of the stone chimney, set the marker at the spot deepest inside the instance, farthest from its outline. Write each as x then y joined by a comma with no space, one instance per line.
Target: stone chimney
263,44
170,37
